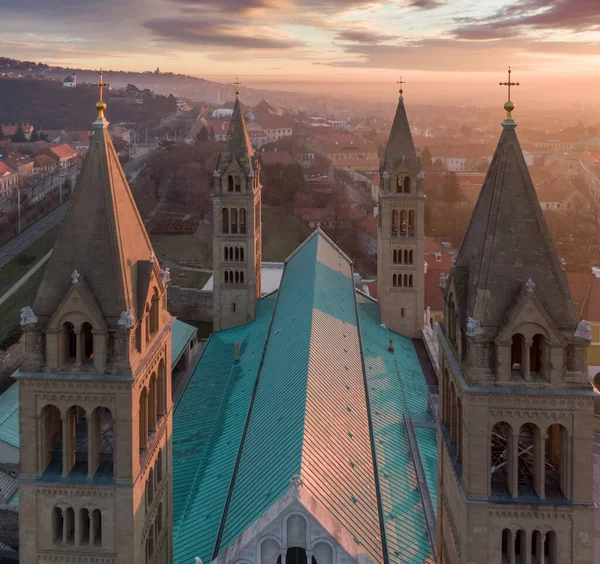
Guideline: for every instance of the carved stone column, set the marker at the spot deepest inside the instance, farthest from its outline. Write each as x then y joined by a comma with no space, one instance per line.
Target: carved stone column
513,462
511,547
78,347
67,440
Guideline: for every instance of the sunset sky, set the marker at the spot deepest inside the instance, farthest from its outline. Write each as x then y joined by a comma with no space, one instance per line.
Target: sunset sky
310,40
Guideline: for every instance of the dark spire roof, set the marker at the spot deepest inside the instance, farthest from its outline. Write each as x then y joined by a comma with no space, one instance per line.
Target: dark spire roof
400,146
507,243
102,237
238,146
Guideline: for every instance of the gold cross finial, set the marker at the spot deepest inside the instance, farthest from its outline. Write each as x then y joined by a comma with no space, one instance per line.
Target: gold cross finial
100,105
401,82
237,84
509,106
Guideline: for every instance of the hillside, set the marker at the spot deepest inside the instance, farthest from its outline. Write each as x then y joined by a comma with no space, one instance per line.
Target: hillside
47,105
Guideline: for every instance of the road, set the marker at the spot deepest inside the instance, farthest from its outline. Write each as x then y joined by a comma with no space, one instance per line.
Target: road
33,233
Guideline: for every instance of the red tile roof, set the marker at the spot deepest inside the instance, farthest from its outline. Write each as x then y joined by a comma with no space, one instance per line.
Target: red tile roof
6,170
63,151
434,298
274,122
42,161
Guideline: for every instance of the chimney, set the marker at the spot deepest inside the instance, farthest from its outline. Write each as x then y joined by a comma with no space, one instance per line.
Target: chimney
237,350
391,346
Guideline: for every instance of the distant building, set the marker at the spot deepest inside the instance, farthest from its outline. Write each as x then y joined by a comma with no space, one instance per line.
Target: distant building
9,178
70,81
10,130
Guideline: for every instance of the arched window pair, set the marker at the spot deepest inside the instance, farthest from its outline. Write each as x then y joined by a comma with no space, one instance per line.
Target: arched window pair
234,277
530,462
402,280
154,532
77,344
527,358
540,547
84,445
233,183
402,256
152,405
63,527
234,254
232,221
402,184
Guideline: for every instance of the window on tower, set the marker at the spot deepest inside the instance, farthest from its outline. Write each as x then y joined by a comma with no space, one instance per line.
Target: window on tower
406,185
224,220
230,183
403,223
394,223
234,220
242,220
411,223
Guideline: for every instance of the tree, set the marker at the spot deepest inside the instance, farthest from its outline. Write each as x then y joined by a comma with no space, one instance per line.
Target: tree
34,136
426,162
202,135
451,188
19,136
2,134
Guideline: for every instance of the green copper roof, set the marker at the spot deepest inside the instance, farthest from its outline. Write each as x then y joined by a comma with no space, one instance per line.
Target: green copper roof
180,337
396,386
243,430
207,429
9,416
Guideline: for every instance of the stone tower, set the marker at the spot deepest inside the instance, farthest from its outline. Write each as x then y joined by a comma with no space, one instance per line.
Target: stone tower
400,258
237,232
95,388
515,442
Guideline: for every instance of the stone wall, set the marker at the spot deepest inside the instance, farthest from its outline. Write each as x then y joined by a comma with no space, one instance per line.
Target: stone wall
190,304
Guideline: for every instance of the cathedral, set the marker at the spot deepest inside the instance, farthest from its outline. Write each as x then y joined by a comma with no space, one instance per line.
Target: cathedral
315,427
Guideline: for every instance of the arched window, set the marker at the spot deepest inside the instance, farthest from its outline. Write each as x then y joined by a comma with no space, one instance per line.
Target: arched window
556,462
159,465
394,223
154,312
226,275
242,254
152,404
237,276
395,256
241,277
520,547
162,389
550,548
323,553
230,183
410,280
224,220
242,220
403,223
410,257
536,355
87,342
406,185
507,546
58,524
234,220
150,543
236,181
406,281
501,458
69,535
517,354
76,441
395,280
411,223
102,435
97,527
143,419
528,462
52,444
296,555
84,527
69,343
150,488
237,254
537,547
147,322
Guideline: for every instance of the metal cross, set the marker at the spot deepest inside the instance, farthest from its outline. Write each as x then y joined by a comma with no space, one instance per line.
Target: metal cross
237,84
509,83
401,82
101,84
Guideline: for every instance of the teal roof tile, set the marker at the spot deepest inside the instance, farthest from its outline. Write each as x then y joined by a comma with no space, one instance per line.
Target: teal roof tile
427,439
310,395
396,387
207,429
181,333
9,416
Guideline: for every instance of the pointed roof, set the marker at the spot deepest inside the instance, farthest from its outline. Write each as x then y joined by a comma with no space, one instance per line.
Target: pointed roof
102,237
315,398
400,146
507,242
238,146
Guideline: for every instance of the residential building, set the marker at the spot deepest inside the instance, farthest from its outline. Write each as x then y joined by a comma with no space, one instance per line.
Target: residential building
64,155
9,179
22,164
219,127
10,130
275,127
70,81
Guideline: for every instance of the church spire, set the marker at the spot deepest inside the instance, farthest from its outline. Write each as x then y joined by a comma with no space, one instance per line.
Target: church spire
400,148
507,242
103,237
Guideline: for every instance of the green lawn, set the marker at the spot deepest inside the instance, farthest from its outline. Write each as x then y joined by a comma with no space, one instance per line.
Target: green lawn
10,312
14,270
188,278
193,250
